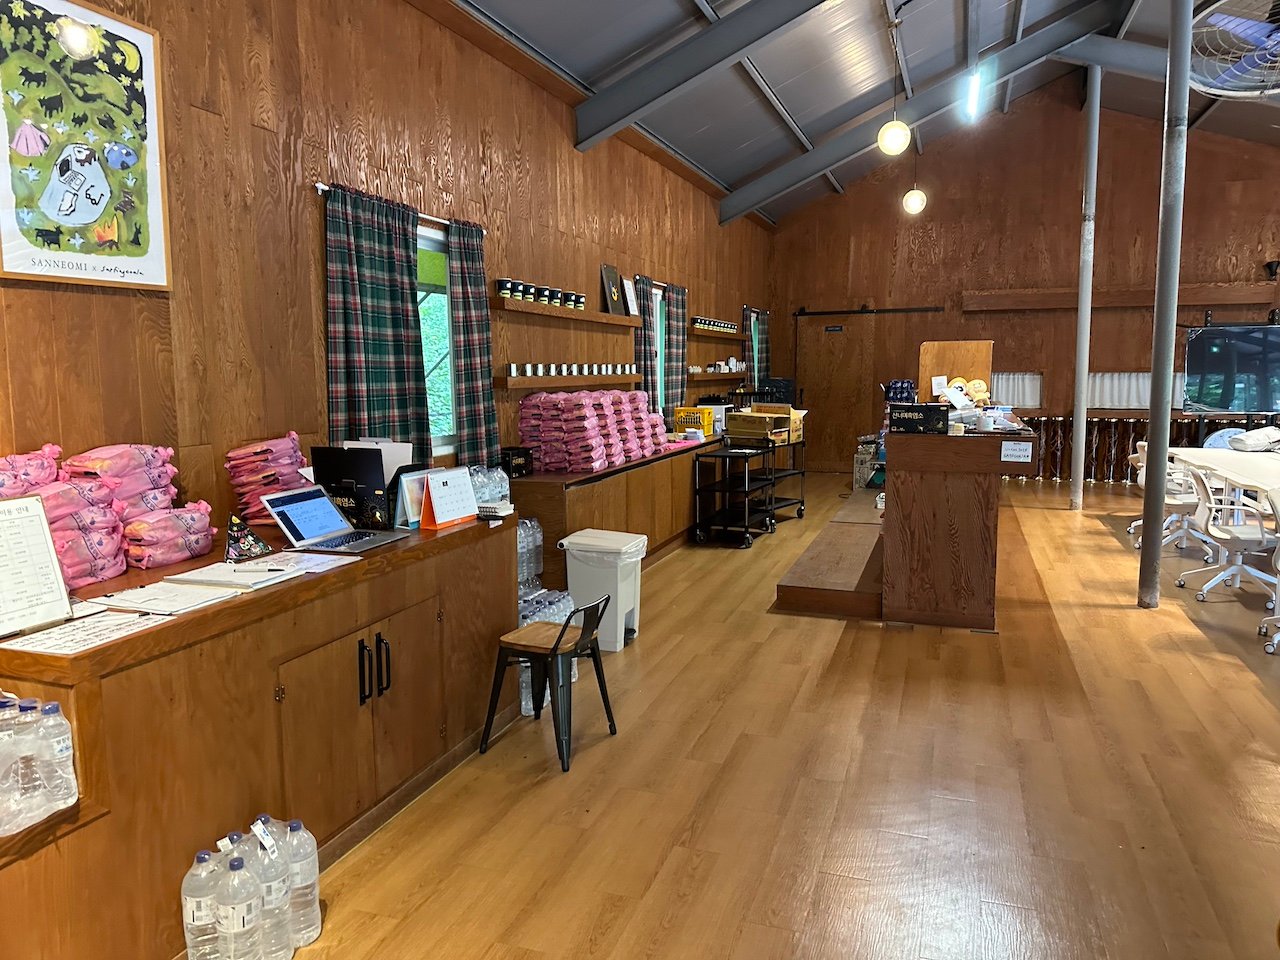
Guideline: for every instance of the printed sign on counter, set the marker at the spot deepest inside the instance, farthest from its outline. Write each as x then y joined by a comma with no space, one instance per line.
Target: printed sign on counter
1015,451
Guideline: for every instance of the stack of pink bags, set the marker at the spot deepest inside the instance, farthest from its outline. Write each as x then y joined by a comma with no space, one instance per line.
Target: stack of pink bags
168,536
140,475
588,431
20,473
267,466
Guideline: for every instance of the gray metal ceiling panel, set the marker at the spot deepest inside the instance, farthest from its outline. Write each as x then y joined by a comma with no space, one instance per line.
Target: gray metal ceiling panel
725,125
1247,121
589,38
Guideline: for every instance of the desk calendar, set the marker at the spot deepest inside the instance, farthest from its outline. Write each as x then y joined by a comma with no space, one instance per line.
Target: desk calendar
450,498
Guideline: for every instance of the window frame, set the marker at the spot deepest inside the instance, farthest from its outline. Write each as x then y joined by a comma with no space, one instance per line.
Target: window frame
433,240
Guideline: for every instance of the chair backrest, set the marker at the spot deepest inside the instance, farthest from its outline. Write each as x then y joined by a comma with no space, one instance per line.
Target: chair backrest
592,615
1273,498
1204,497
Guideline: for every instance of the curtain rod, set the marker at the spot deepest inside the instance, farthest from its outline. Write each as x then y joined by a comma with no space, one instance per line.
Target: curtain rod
323,188
864,311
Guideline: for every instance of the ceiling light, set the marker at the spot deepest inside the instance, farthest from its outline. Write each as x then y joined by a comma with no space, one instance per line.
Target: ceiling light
894,137
973,94
913,201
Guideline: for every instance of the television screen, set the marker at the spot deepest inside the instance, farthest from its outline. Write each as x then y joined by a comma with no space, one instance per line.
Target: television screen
1233,369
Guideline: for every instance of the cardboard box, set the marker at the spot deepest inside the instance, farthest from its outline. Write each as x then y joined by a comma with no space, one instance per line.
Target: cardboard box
917,418
758,426
795,426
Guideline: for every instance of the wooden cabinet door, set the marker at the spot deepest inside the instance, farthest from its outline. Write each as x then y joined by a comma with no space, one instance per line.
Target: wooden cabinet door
409,709
327,736
681,493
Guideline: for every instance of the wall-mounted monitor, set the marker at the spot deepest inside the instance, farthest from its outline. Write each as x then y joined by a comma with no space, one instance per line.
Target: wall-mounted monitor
1233,369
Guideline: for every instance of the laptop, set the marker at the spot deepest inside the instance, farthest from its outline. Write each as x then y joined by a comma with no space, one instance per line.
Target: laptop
311,521
354,480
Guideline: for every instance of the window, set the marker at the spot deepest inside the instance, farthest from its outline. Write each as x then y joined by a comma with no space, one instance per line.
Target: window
755,348
437,338
660,344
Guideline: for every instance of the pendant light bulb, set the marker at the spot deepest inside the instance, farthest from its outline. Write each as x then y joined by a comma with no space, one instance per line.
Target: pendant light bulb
894,137
913,201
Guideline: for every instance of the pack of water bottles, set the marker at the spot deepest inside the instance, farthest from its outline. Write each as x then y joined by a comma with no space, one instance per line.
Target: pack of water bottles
529,558
546,606
491,484
37,763
257,897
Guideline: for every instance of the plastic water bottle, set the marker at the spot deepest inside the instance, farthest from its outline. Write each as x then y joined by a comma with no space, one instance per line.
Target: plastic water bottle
239,909
8,713
304,873
537,548
272,870
55,760
9,807
199,914
30,793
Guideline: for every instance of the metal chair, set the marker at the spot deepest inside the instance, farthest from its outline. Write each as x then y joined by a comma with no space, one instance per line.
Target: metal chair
1233,541
539,646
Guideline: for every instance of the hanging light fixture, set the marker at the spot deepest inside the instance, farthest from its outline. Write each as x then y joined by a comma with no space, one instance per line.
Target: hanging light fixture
913,200
895,136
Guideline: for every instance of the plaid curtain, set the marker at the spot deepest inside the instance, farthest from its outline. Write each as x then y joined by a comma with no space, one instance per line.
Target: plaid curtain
757,346
376,382
646,342
478,441
677,348
762,339
750,337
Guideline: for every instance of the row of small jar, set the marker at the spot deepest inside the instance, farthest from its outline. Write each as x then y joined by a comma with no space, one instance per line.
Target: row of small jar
572,369
554,296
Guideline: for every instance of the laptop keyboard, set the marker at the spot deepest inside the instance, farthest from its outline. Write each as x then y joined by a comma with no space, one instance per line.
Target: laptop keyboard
344,540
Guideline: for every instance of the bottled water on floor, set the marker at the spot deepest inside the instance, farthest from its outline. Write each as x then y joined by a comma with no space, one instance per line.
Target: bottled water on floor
272,870
55,761
30,792
304,875
239,909
199,921
8,767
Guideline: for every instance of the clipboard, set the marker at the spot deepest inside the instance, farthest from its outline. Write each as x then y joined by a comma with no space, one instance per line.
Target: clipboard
450,498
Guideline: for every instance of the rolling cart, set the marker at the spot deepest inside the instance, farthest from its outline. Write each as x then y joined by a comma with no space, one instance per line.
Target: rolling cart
733,492
793,468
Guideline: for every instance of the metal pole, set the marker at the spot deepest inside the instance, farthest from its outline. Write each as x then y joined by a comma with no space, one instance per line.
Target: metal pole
1168,258
1084,310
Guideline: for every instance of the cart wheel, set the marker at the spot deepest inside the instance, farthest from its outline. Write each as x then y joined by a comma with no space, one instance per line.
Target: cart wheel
771,526
800,511
699,536
1201,596
1269,647
747,541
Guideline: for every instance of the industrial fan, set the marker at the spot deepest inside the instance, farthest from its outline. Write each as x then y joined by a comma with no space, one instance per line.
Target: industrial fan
1235,49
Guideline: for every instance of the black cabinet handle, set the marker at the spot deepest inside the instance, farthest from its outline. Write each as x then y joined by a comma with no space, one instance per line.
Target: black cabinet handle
366,668
384,656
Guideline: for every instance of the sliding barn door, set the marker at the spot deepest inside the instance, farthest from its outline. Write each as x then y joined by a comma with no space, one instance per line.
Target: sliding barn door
834,368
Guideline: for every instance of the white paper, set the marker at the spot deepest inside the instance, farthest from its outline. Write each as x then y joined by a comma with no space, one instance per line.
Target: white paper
1015,451
168,598
300,562
68,639
452,496
33,593
939,386
240,576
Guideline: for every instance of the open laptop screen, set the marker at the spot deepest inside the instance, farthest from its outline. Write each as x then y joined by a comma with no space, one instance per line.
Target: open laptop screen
308,514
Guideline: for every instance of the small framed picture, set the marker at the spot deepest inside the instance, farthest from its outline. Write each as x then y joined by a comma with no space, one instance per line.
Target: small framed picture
413,488
633,302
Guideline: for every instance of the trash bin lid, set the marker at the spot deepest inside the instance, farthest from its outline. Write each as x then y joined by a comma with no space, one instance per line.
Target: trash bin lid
605,541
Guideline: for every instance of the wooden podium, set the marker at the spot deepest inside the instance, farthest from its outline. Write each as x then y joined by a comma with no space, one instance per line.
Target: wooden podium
942,497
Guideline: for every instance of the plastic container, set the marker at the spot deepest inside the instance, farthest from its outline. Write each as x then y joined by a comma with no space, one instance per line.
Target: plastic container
31,798
55,758
239,909
272,870
607,563
199,907
304,875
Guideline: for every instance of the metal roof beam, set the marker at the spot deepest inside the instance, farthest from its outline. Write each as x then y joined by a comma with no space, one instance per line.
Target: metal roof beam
720,45
767,91
1125,57
971,42
1209,107
1127,20
938,98
895,36
1019,28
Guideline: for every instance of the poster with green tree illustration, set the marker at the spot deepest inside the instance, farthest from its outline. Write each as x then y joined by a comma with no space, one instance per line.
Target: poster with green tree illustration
82,192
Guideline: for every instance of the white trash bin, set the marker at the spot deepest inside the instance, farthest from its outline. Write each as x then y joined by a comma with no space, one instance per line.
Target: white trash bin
607,562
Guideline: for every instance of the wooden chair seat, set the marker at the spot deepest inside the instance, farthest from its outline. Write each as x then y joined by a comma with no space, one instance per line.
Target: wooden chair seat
534,638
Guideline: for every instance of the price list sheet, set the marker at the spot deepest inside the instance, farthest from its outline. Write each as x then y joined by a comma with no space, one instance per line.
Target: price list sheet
31,590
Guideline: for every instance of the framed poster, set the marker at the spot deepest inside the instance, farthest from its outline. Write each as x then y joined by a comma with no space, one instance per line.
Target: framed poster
612,289
633,302
82,189
409,497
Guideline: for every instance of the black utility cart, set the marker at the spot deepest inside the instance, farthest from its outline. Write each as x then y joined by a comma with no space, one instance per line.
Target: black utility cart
735,488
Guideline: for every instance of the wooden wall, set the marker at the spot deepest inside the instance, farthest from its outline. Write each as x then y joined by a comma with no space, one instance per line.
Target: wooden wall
262,98
1004,212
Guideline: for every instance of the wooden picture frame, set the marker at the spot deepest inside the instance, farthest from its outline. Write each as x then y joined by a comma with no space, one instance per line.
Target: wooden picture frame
632,301
83,191
612,290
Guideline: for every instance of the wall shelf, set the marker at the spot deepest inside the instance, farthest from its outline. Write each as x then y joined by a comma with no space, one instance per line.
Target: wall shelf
1189,295
706,377
529,307
717,335
505,382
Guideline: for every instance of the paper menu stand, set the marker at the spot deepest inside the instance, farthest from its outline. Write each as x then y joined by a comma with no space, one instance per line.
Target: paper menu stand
450,498
34,594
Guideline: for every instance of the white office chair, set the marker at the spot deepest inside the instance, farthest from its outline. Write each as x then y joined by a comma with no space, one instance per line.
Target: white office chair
1233,541
1264,628
1179,503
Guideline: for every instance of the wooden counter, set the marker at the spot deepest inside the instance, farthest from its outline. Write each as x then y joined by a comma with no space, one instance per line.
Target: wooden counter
189,729
652,496
942,498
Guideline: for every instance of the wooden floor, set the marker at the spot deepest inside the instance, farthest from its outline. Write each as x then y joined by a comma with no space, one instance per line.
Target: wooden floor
1094,781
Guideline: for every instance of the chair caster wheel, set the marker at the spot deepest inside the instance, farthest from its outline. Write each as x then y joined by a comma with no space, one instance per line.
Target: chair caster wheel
1201,597
1269,647
1262,630
1179,582
800,511
1137,545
